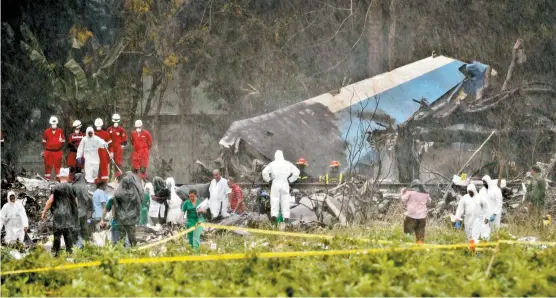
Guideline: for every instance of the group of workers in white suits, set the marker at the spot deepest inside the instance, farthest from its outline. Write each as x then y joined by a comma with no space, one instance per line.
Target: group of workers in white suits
480,211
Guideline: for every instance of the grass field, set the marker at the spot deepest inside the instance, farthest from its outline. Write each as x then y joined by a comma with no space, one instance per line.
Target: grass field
515,270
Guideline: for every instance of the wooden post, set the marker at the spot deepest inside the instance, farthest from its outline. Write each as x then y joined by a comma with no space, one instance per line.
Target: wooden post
469,160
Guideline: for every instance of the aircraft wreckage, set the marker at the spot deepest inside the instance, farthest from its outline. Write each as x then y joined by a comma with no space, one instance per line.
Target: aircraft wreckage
388,126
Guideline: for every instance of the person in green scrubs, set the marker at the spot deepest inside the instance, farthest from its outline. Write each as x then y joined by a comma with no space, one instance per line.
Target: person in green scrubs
143,217
194,216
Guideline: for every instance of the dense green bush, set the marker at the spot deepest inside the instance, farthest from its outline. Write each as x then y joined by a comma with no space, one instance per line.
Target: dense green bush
516,270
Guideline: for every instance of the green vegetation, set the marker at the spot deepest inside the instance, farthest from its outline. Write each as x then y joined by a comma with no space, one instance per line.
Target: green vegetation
515,271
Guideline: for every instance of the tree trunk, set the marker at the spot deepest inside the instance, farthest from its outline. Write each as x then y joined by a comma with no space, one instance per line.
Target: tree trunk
392,35
408,167
518,45
375,39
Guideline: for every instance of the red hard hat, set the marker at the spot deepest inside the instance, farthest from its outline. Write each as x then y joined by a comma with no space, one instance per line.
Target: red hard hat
302,161
334,163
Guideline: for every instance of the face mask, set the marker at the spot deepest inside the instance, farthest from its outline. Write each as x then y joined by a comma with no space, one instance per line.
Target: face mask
54,126
98,127
138,130
76,131
116,124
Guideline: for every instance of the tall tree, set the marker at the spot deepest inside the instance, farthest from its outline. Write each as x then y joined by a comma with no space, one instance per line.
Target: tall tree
375,39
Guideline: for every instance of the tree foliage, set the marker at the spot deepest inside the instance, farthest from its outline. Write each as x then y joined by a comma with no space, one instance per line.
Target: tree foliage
91,58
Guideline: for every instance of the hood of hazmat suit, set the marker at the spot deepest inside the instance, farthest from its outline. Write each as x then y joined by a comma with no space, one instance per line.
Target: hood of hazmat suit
281,172
472,210
417,186
175,215
81,192
493,195
127,200
64,207
14,219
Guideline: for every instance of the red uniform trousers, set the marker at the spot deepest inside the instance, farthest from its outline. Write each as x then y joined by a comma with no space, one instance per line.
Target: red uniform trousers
118,153
104,166
52,159
140,162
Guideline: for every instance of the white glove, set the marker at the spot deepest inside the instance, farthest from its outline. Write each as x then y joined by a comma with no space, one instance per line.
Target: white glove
42,154
111,155
105,146
123,146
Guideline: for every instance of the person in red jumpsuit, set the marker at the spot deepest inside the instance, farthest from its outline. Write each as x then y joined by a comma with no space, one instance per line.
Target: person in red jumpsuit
53,139
73,143
104,155
119,140
142,143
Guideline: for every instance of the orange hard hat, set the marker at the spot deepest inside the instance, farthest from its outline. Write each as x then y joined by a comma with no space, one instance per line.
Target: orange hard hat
334,163
302,161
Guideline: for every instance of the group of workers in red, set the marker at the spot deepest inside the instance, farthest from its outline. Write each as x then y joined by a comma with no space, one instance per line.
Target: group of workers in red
112,143
334,176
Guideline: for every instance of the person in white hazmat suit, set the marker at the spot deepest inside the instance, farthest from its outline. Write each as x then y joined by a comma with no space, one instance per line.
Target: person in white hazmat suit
281,173
175,214
88,149
14,219
474,210
218,201
493,196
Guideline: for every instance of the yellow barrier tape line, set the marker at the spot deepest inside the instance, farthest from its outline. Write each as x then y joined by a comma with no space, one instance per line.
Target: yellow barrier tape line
55,268
167,239
264,255
527,243
291,234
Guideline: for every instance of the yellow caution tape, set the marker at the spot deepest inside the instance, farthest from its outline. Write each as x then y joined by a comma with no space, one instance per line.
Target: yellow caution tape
264,255
302,235
180,234
527,243
268,255
55,268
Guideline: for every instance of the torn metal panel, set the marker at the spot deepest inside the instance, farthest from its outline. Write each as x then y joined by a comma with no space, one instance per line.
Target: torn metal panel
336,127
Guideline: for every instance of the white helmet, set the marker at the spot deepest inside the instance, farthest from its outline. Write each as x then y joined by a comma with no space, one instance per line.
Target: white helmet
53,120
138,123
98,122
76,123
116,118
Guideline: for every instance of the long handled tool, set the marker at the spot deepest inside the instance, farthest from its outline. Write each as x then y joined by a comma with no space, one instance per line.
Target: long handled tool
112,159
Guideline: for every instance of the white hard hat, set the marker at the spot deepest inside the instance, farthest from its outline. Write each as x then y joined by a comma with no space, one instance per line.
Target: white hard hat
116,118
53,120
138,123
98,122
76,123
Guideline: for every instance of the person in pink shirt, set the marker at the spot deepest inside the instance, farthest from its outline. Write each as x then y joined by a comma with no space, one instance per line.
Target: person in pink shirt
415,200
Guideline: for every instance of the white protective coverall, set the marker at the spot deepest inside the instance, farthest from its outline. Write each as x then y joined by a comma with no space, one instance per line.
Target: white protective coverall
218,201
494,199
14,218
281,172
175,215
474,211
88,149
